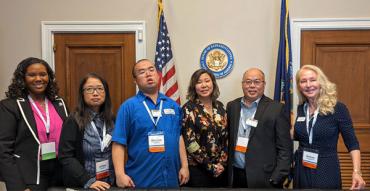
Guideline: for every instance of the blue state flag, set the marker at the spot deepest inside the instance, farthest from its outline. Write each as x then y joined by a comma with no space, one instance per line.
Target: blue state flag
284,78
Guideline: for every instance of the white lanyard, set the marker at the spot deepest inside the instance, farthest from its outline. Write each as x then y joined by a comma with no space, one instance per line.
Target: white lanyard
309,132
104,134
244,120
47,122
151,115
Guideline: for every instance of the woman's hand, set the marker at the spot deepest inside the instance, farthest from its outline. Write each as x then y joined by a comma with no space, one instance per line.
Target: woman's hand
219,169
100,186
357,181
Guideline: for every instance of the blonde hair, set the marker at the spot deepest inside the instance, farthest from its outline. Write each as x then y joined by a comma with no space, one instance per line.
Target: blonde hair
327,98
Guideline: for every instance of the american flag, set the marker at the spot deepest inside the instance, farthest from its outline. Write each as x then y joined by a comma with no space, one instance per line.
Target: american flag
164,62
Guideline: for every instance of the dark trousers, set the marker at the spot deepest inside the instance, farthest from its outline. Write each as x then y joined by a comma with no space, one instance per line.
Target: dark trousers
50,175
240,178
199,177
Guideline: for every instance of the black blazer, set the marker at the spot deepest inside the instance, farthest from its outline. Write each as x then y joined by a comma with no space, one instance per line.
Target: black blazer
269,152
71,154
19,142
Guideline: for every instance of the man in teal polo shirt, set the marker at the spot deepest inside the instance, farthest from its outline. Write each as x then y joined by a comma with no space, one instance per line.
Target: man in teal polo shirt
147,129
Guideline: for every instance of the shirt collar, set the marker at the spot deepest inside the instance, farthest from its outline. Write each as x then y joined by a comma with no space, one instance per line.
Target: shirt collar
141,96
94,114
254,104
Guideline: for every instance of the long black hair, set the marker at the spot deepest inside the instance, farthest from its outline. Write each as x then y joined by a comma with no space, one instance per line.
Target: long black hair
82,114
18,88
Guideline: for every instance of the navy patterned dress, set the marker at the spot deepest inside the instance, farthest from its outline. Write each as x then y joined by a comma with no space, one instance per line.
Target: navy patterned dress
325,138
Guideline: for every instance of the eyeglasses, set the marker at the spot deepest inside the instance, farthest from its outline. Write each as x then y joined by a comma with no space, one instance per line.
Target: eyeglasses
91,90
255,82
141,72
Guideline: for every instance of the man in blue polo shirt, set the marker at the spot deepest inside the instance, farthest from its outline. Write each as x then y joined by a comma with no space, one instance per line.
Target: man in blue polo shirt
147,129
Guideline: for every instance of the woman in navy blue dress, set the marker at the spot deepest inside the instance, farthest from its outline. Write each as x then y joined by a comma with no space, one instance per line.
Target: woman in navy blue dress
320,119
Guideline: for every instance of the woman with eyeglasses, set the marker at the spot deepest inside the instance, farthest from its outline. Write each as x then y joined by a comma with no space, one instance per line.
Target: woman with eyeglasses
85,144
31,121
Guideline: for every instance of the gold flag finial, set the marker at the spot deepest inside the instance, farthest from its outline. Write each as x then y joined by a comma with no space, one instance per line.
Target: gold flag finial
160,9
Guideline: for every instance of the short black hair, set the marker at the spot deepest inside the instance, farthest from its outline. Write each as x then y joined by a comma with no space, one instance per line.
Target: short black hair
133,67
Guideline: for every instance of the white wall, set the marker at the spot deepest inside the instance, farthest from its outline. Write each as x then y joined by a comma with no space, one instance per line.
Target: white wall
249,28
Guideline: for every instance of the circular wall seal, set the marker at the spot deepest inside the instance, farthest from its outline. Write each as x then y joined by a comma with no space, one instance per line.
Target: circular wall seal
218,59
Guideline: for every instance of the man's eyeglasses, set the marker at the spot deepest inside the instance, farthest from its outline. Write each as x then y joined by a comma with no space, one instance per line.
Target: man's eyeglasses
91,90
141,72
255,82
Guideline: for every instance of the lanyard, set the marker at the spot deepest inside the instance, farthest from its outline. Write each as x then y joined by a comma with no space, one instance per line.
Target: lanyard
47,121
308,128
104,134
244,120
151,115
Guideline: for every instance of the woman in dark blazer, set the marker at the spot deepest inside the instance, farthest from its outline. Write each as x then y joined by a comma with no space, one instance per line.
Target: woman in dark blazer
85,149
31,120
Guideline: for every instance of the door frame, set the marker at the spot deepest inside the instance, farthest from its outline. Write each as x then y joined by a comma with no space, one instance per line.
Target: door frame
301,24
48,28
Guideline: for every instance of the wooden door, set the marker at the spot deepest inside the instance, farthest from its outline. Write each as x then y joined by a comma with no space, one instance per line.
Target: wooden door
111,56
345,57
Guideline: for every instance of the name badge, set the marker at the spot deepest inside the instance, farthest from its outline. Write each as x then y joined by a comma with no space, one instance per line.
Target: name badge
156,113
156,142
301,119
310,158
242,144
102,169
48,151
169,111
106,142
252,122
193,146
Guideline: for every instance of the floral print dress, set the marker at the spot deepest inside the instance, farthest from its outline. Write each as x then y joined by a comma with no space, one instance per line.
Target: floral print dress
205,135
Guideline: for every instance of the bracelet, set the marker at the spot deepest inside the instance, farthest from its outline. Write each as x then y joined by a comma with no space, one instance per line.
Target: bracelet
357,172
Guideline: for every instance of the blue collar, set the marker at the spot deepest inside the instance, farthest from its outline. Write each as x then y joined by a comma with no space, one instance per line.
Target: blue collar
141,97
254,104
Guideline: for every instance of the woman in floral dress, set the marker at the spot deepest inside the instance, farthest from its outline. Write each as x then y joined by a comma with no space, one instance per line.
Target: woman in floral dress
204,131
